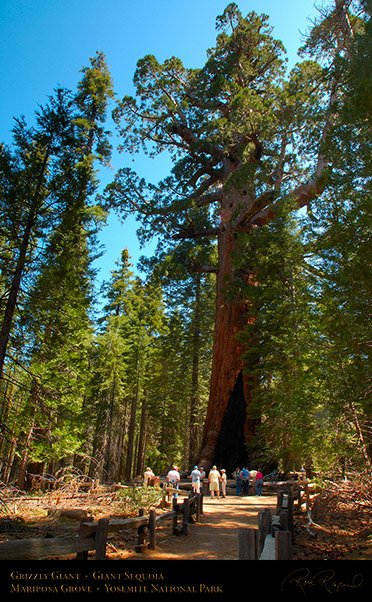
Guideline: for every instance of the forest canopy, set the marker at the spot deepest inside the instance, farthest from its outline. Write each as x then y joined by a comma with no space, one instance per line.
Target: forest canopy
246,339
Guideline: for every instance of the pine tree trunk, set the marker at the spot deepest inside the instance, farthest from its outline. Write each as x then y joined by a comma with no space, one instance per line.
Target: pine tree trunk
142,439
9,461
121,445
132,425
361,442
109,433
23,467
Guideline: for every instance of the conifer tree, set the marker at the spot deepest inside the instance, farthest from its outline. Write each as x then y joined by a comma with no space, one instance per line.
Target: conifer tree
30,175
242,137
55,319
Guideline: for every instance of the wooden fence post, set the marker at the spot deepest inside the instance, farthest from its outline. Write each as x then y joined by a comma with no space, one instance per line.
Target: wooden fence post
82,529
152,530
142,532
283,515
264,528
247,543
283,545
101,538
175,504
175,517
290,513
198,499
185,516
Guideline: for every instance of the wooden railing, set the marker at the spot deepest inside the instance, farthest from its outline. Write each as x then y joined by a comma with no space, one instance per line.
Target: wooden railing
93,535
273,538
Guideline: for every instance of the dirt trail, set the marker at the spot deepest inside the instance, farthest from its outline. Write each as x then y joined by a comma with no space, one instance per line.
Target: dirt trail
216,536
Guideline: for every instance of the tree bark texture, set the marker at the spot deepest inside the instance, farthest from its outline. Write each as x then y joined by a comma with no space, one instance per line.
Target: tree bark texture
227,366
194,400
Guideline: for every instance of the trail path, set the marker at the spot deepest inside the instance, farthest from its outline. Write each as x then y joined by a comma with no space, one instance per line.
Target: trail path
216,536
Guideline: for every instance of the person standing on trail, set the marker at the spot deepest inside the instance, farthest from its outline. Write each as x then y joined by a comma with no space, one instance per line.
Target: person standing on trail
245,478
202,480
223,482
173,479
195,480
259,482
214,482
148,477
238,481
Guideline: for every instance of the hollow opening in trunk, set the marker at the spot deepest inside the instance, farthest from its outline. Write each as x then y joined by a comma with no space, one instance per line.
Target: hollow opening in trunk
231,450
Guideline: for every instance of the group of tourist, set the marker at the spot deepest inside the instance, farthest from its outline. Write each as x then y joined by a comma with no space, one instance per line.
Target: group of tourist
244,478
217,480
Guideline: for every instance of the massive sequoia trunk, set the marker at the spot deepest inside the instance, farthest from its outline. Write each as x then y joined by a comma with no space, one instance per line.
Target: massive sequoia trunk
227,424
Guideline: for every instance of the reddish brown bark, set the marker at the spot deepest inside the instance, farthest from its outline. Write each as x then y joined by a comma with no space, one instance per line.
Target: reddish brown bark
230,318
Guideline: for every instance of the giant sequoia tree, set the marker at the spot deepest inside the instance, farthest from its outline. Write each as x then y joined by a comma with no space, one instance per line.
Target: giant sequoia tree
242,135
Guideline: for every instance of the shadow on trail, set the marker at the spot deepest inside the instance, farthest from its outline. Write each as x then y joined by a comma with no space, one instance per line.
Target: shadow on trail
216,536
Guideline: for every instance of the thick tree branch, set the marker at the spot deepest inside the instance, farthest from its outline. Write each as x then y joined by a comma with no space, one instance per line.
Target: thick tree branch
193,233
203,269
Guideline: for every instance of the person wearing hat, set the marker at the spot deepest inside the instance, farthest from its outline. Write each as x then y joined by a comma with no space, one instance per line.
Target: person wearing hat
214,482
223,482
173,479
203,480
195,479
148,476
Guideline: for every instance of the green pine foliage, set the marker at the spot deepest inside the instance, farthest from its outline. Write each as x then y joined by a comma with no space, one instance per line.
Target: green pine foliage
130,389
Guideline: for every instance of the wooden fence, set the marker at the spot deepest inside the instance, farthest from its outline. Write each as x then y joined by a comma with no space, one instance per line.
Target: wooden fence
93,535
273,538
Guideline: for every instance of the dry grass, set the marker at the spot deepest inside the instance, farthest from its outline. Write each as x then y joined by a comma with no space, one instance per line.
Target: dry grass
57,513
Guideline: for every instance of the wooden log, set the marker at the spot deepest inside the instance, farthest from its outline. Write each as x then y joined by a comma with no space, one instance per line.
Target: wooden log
72,514
152,530
40,548
283,545
166,516
247,543
101,538
118,524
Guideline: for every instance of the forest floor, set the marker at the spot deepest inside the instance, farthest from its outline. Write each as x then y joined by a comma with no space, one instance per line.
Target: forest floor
341,528
342,514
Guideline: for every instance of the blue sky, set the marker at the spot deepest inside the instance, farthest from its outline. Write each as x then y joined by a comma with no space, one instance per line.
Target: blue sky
45,43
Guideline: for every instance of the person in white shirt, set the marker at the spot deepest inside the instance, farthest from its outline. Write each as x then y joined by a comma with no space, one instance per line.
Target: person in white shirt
195,480
214,482
148,476
223,482
173,479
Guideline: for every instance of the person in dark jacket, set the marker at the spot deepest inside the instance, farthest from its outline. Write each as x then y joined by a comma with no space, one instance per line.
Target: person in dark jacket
245,480
238,481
